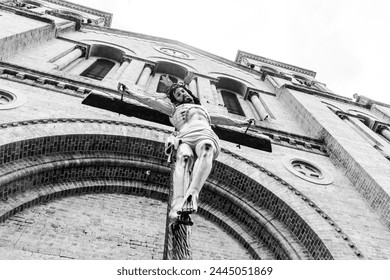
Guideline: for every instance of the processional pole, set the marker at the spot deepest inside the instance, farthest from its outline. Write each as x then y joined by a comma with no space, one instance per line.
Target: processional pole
177,245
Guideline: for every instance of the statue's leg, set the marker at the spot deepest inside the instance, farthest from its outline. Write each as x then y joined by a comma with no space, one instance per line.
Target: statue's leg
181,177
205,151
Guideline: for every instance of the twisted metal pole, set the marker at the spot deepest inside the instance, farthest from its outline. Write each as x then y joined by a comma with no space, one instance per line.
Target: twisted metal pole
177,245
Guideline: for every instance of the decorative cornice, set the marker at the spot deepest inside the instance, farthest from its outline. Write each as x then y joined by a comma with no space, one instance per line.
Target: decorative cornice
48,81
26,13
107,16
241,55
81,89
368,102
322,94
80,120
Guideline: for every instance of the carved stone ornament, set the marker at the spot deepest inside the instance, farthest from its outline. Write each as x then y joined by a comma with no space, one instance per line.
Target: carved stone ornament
173,52
307,170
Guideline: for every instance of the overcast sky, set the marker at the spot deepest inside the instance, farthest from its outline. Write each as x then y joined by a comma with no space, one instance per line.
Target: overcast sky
347,43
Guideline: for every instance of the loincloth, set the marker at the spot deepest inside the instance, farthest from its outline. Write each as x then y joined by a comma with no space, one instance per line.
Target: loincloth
192,137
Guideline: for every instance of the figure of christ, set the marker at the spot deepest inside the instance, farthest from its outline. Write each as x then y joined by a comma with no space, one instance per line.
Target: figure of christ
193,145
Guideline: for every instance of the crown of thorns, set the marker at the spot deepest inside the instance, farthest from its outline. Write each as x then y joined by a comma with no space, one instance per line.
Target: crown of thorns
170,86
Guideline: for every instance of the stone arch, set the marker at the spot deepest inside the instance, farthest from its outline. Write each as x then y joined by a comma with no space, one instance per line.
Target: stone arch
56,176
109,44
171,69
261,220
160,59
105,51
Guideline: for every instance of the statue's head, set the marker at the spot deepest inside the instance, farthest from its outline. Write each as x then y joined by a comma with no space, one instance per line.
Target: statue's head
179,94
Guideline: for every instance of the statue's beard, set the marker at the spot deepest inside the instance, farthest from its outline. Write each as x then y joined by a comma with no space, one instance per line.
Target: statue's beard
188,100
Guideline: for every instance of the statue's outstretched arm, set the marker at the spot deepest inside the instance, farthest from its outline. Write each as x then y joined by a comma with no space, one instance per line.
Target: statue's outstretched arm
224,120
137,93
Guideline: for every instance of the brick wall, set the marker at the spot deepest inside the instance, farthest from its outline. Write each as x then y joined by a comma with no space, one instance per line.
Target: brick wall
76,158
105,226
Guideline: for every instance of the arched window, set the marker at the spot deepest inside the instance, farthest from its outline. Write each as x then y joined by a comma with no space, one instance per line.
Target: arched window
99,69
230,90
231,102
176,73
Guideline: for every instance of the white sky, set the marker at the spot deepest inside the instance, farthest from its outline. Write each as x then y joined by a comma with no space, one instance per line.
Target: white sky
347,43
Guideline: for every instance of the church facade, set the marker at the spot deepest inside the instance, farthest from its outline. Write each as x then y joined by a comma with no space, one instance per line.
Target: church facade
85,182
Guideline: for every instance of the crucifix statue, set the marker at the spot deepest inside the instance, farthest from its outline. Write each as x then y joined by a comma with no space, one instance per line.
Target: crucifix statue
193,146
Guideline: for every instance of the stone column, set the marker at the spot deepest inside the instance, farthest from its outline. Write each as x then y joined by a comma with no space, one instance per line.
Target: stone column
384,131
273,81
217,95
254,98
144,78
122,68
351,124
193,87
69,58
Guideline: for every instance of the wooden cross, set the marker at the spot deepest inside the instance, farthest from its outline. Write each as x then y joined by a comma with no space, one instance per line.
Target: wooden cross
177,245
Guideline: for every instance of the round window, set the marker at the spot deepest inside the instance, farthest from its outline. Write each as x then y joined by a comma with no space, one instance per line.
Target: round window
307,170
9,100
6,98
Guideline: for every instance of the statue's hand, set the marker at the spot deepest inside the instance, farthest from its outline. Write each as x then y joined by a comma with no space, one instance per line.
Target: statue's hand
250,121
134,89
166,81
122,87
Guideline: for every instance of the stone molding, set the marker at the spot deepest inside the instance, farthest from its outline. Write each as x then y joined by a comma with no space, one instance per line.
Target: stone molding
26,13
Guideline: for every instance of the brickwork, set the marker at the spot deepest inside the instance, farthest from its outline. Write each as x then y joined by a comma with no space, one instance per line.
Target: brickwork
99,166
104,226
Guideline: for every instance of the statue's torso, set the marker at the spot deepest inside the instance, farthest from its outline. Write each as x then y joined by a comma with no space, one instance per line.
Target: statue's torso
187,115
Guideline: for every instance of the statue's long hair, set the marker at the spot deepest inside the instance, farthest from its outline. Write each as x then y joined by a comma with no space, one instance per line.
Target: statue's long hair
172,97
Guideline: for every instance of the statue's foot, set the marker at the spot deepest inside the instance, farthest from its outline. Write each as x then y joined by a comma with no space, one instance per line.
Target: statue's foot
189,206
184,219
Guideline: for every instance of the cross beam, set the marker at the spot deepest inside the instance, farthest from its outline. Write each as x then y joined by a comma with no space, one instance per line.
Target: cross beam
259,142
